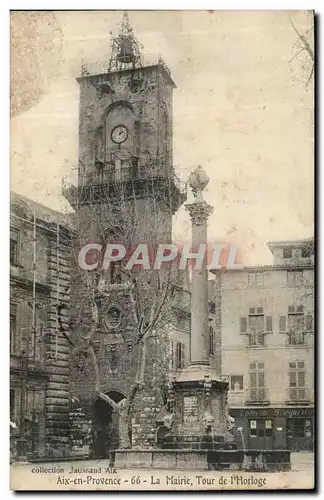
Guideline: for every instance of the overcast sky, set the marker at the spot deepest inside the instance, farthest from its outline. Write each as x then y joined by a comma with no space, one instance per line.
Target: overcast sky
241,110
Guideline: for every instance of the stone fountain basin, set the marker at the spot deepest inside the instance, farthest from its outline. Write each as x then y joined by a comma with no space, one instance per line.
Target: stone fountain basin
187,458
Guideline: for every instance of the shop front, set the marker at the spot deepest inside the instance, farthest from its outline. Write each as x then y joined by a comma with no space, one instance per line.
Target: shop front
275,428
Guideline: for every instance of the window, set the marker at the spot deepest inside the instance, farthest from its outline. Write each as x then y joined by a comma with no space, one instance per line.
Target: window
256,325
236,383
294,278
255,311
256,328
135,161
305,252
256,339
14,237
299,427
211,339
260,428
282,324
243,325
268,322
13,329
257,386
255,279
180,355
212,307
113,359
287,253
296,335
12,405
297,390
115,272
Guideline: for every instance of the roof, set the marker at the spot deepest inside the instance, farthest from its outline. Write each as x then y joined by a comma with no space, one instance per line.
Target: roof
31,208
290,243
271,267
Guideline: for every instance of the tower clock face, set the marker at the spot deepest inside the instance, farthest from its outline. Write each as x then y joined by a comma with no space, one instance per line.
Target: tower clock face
119,134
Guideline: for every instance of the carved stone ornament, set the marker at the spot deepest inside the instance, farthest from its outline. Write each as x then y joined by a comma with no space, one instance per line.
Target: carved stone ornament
208,420
199,212
168,420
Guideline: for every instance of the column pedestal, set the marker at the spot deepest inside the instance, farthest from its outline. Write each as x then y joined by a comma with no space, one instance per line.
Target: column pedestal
200,398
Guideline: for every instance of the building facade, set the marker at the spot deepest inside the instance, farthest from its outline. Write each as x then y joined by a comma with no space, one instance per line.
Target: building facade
39,367
267,347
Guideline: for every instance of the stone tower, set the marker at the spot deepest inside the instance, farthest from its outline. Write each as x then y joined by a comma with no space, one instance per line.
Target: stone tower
127,191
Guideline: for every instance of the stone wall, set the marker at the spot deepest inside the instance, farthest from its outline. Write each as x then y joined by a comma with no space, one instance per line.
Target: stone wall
57,352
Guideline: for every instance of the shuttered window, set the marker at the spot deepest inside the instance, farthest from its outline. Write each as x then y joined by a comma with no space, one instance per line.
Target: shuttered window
180,355
282,324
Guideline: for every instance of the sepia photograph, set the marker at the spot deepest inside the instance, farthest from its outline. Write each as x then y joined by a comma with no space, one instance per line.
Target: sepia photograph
162,250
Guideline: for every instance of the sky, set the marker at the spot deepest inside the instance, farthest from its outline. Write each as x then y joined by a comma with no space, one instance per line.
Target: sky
242,110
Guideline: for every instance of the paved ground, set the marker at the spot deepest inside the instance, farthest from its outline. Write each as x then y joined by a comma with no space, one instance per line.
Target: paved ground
61,476
302,461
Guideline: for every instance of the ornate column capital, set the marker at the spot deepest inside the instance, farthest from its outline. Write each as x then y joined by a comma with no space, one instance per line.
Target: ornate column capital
199,212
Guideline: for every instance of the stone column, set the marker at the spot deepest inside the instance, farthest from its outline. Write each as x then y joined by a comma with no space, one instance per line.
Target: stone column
199,212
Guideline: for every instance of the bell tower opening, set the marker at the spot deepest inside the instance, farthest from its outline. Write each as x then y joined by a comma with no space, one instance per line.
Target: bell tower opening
125,52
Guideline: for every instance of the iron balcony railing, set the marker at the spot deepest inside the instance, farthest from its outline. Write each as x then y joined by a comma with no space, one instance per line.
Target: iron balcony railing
103,67
296,338
298,394
256,339
257,395
109,174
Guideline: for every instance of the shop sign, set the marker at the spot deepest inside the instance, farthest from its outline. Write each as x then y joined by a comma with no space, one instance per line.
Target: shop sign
272,412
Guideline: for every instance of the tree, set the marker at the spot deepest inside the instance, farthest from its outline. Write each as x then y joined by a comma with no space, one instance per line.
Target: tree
153,296
304,52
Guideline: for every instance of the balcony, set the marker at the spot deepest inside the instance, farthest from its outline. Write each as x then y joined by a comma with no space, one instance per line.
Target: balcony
296,339
298,396
104,181
257,396
256,339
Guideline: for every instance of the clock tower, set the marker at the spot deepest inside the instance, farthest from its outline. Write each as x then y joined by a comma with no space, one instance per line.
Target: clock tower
125,126
127,191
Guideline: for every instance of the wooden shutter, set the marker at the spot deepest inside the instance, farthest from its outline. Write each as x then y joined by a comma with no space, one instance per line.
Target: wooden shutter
182,354
268,325
243,324
178,354
172,356
282,324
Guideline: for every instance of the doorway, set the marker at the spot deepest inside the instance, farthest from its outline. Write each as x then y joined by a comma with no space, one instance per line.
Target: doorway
299,434
105,426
